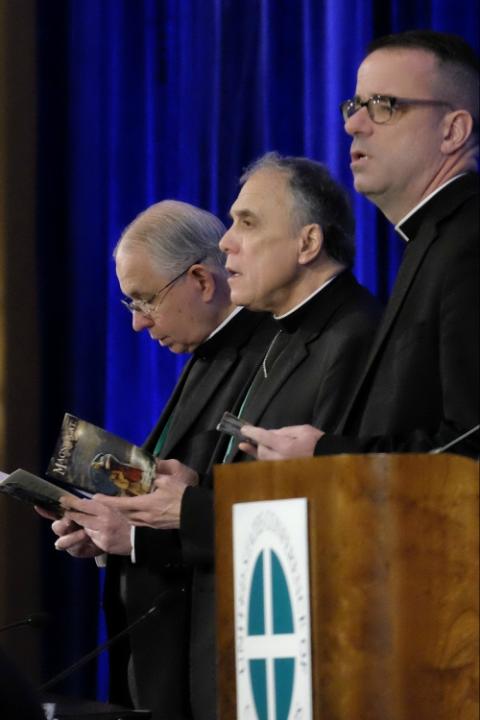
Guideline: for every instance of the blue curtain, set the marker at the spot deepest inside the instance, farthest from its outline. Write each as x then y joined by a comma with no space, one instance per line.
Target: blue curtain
141,100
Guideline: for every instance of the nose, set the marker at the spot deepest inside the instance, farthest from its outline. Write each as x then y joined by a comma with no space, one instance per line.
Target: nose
359,122
141,321
227,243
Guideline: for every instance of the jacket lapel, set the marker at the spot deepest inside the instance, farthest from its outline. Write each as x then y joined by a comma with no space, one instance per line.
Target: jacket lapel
289,359
323,307
412,261
191,404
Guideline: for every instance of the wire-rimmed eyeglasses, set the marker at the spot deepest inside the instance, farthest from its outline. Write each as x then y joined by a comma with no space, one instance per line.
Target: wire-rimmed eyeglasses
380,108
147,307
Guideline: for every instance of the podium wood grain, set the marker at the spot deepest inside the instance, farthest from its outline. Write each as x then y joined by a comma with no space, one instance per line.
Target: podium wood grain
393,542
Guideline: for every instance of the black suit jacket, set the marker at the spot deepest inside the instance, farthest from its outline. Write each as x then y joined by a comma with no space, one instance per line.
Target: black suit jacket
159,649
310,381
420,387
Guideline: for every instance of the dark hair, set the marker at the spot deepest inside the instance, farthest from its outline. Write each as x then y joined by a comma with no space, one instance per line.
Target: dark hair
458,64
318,198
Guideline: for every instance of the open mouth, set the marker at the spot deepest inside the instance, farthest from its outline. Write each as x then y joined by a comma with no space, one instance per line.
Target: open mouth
357,155
161,341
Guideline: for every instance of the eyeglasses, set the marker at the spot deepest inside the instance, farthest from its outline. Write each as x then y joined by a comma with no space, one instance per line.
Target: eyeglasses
380,108
147,307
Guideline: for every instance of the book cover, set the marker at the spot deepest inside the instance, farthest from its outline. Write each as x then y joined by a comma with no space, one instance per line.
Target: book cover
97,461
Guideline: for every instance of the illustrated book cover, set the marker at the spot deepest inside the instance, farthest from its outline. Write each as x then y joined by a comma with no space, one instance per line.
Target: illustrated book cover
97,461
87,460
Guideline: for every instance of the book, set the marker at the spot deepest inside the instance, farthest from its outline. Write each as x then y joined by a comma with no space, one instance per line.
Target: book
94,460
24,486
87,460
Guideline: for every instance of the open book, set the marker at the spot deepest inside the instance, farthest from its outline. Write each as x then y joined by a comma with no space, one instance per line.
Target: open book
87,460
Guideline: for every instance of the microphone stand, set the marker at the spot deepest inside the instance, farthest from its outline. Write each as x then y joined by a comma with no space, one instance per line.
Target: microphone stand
100,648
35,620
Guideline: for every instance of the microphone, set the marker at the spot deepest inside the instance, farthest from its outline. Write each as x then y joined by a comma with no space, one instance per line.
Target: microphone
455,440
108,643
35,620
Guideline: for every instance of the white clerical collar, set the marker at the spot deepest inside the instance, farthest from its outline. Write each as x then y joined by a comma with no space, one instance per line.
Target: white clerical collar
224,322
307,299
421,204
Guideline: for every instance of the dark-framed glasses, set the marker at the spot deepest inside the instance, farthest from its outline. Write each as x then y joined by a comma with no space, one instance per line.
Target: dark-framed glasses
147,307
380,108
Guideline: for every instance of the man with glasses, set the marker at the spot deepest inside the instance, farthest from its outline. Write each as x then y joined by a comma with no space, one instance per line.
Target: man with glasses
289,250
170,268
414,123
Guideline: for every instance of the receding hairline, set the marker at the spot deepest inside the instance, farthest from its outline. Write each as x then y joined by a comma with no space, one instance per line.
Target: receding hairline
174,234
286,173
453,79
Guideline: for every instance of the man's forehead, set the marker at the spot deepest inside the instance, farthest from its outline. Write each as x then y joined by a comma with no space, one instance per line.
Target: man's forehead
136,271
396,71
262,189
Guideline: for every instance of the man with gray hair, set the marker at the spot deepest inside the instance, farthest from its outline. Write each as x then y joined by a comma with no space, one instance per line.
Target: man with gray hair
171,270
289,252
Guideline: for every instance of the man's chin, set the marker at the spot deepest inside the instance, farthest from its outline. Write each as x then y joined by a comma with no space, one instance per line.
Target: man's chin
365,186
361,184
239,298
173,347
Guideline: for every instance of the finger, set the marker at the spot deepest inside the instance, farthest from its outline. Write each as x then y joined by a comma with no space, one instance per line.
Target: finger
47,514
93,522
67,542
115,502
64,526
259,435
166,467
248,449
265,453
71,502
161,482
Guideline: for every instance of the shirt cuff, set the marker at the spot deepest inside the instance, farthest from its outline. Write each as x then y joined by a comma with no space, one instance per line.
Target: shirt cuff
132,542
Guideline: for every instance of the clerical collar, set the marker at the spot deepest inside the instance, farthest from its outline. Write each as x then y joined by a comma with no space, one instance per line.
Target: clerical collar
223,323
216,339
306,300
407,230
291,320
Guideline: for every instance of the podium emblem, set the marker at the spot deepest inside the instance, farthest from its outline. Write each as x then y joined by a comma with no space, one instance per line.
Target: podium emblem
272,615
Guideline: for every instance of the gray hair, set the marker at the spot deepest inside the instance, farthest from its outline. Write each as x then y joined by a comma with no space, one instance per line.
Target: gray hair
176,235
318,198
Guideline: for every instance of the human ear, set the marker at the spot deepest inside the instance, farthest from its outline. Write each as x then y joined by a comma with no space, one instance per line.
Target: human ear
310,243
204,281
457,128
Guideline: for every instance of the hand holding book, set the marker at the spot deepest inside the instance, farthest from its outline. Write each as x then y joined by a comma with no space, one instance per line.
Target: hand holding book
87,460
161,508
99,529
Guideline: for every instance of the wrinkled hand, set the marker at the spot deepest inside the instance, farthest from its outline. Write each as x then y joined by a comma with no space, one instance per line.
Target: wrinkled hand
159,509
287,442
99,529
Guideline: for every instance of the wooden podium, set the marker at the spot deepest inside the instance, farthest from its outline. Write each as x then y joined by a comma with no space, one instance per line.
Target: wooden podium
393,545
